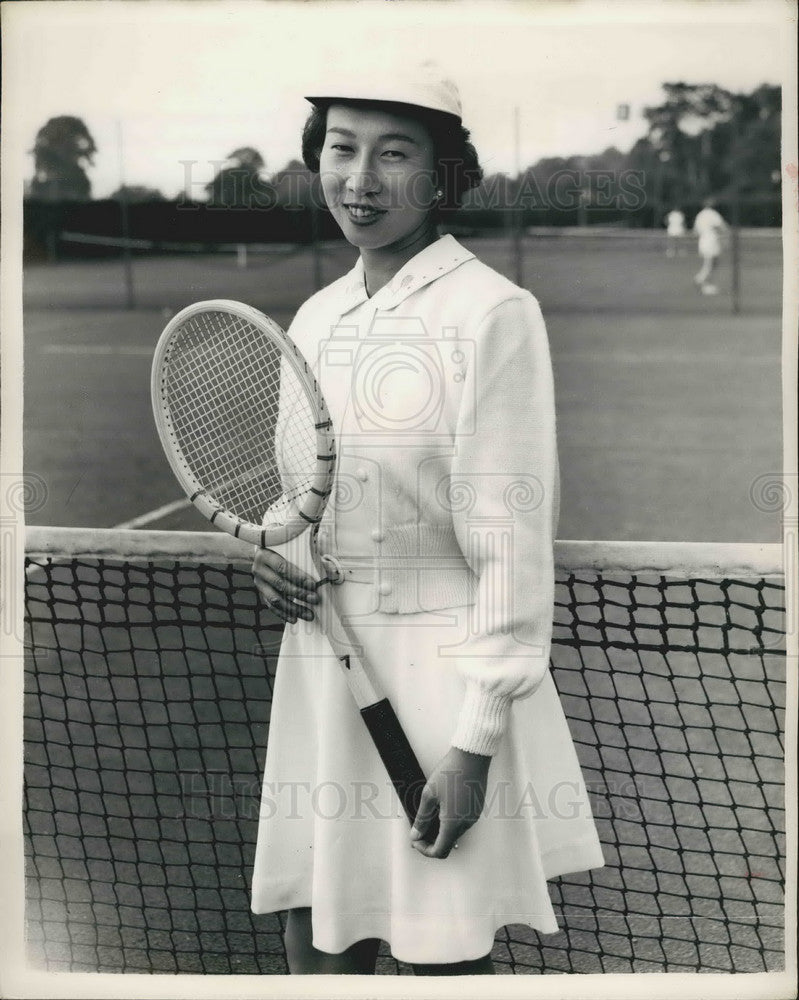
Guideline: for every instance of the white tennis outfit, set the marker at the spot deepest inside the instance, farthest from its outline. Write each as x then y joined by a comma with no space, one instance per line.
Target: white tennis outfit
708,226
440,390
675,223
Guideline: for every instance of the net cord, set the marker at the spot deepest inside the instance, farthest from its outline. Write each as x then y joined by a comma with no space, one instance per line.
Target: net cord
711,560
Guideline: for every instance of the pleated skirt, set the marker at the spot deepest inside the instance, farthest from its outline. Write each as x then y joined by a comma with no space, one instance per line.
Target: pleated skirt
332,835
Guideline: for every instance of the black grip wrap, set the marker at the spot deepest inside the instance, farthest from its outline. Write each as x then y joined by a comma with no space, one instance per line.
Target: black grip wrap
400,760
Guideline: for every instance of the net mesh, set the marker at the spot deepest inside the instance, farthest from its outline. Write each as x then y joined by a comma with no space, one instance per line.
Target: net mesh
228,396
149,684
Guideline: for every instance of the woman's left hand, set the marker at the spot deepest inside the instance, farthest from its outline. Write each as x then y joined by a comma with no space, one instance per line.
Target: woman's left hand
455,792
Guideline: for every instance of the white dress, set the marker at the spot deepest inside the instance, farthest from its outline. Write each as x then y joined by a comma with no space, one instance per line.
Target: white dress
675,223
332,835
708,225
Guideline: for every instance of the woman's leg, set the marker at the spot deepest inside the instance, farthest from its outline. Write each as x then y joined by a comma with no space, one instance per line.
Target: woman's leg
475,967
704,271
304,959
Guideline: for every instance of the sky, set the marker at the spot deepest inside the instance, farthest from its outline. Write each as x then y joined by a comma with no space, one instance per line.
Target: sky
168,90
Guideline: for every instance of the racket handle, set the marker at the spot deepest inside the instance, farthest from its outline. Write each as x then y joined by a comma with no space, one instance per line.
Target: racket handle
399,759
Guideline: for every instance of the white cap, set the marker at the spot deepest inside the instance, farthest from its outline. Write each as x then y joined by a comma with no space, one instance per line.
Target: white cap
422,85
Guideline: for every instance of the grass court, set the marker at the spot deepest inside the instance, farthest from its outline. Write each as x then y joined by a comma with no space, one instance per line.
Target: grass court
668,404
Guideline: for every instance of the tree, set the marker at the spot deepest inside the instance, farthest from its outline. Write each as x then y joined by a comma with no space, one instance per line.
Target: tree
681,131
63,149
494,193
135,194
704,139
753,139
239,184
295,186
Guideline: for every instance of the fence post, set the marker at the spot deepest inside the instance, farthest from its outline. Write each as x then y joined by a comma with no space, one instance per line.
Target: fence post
735,220
735,253
127,261
516,209
315,248
127,255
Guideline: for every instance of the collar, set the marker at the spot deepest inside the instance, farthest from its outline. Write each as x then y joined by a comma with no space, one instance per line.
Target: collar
429,264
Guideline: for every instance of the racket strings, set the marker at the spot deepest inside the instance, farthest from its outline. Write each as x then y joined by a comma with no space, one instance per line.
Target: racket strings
240,418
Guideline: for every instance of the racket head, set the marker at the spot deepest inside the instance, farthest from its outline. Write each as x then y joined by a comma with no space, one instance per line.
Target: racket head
242,421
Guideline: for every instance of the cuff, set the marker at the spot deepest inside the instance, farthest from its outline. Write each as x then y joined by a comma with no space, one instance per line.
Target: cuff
482,720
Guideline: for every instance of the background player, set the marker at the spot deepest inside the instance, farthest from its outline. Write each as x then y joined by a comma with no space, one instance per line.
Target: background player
709,227
675,231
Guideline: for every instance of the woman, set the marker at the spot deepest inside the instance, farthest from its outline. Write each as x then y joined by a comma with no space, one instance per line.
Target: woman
437,374
675,231
709,227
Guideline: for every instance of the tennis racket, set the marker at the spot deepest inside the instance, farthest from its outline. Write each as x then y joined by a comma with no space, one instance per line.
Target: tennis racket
249,438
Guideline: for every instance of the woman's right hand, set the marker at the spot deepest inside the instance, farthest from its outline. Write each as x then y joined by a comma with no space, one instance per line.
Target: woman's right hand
284,587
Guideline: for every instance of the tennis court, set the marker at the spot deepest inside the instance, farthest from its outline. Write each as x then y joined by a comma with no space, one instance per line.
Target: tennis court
150,662
668,405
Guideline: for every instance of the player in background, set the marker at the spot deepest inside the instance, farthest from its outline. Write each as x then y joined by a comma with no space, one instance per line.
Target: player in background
709,227
675,231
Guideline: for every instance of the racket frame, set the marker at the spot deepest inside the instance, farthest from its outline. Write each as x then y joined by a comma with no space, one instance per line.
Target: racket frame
315,499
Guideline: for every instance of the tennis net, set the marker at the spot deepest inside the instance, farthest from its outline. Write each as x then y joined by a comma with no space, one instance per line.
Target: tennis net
149,671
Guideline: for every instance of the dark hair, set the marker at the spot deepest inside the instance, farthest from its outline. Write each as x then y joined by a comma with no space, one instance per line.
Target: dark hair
457,167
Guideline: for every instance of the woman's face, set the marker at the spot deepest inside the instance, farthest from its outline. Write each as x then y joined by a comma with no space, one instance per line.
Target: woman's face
377,171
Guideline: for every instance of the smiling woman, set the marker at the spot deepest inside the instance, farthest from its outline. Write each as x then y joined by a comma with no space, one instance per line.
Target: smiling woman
378,182
457,169
390,170
437,376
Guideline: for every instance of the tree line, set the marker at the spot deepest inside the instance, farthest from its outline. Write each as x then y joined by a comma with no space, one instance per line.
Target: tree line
701,140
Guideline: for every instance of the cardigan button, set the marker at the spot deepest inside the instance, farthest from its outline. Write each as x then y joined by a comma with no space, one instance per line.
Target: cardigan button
362,474
377,535
384,588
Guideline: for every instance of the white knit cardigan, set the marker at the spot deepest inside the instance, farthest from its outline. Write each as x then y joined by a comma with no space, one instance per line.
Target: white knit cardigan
453,454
